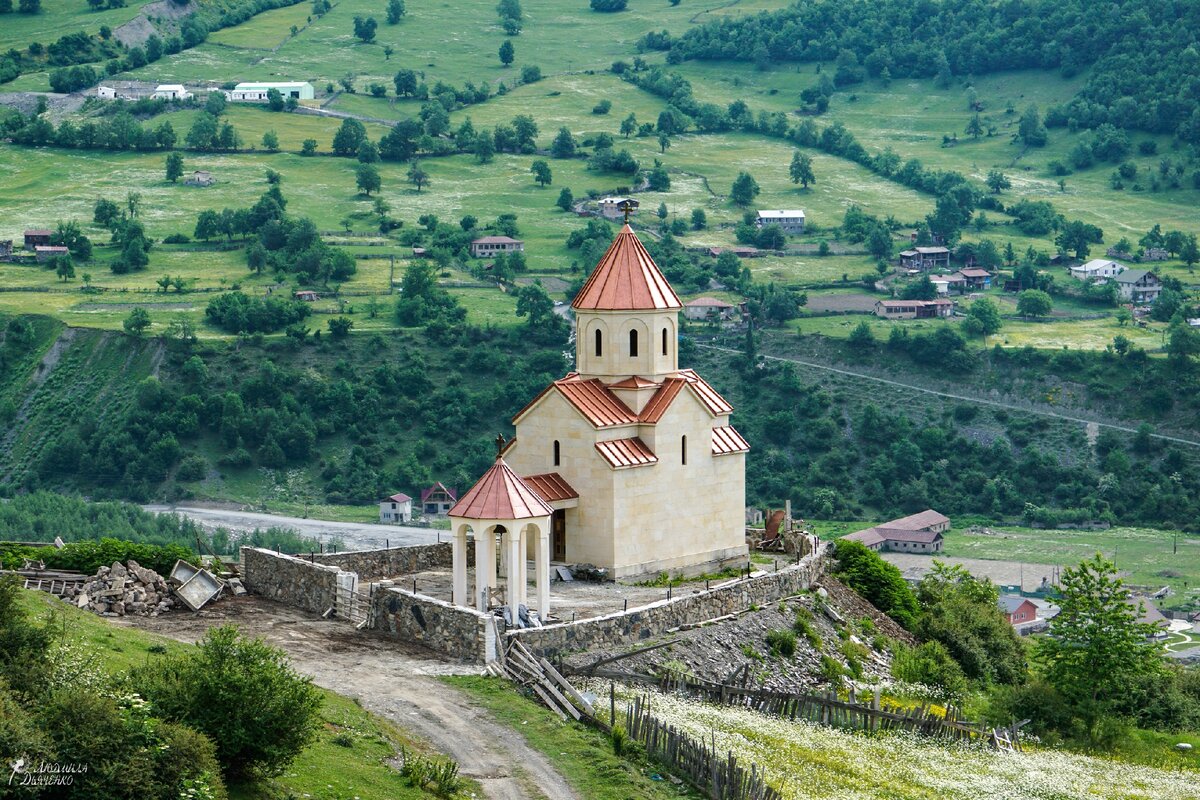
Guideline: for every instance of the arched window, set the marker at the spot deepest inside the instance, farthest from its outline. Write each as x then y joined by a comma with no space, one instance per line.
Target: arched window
664,343
633,344
599,343
683,450
556,453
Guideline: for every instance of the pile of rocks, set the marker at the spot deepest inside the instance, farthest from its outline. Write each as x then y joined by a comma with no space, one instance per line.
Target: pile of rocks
118,591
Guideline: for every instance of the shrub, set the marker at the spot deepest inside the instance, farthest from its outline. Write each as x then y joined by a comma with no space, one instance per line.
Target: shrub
855,655
875,579
803,626
177,238
930,664
192,468
782,643
88,557
620,740
243,694
831,670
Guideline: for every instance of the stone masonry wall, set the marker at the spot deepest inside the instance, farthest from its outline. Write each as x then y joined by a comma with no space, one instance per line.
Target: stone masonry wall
462,634
657,618
373,565
288,579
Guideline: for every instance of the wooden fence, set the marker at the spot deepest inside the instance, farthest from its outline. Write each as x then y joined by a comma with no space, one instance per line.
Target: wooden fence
720,777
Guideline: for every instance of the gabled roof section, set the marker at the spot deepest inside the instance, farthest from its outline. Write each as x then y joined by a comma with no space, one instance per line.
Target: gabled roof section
621,453
662,399
591,398
436,488
726,441
551,487
499,495
626,279
400,498
916,522
712,400
633,382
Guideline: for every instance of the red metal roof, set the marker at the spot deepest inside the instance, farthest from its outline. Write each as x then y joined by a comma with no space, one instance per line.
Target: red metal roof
626,279
626,453
551,486
438,487
633,382
39,232
662,399
726,440
707,302
496,240
591,398
501,494
712,400
400,498
916,522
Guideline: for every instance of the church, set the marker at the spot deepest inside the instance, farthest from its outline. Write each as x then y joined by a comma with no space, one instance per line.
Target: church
629,463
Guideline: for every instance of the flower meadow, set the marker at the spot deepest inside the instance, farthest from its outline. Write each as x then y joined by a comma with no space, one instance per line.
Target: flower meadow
806,761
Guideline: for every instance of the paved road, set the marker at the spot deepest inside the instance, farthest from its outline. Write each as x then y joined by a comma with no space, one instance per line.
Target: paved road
354,535
967,398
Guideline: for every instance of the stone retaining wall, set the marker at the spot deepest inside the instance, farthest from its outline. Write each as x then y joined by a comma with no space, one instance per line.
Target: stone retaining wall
462,634
630,627
373,565
288,579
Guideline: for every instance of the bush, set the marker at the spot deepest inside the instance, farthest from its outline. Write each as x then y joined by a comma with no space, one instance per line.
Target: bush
609,5
875,579
831,670
782,643
803,626
243,694
88,557
177,238
23,643
192,468
930,664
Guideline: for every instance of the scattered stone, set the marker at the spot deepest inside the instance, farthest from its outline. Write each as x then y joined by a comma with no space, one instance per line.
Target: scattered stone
1183,747
123,589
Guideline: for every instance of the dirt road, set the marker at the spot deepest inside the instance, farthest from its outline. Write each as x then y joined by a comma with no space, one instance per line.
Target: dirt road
355,535
391,680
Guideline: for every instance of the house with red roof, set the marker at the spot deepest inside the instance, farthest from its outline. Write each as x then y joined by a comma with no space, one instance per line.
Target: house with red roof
634,456
708,309
487,246
437,500
917,533
395,509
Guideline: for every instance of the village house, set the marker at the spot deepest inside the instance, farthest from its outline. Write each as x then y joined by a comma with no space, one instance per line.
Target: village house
1138,286
307,295
199,178
629,464
925,258
918,533
493,245
1098,269
171,91
708,309
1017,610
106,92
610,207
37,237
975,279
739,250
954,283
914,309
791,220
258,92
397,508
437,500
6,248
46,252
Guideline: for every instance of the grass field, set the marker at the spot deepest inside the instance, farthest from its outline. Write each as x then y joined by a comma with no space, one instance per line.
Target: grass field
58,18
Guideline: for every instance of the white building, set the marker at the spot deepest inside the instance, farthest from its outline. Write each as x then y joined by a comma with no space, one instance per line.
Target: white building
708,309
609,208
106,92
257,92
791,220
1098,269
171,91
397,508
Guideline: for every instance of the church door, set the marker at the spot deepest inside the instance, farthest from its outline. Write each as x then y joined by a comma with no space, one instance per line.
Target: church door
559,536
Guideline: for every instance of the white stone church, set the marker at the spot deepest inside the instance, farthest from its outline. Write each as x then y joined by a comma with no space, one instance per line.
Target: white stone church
629,463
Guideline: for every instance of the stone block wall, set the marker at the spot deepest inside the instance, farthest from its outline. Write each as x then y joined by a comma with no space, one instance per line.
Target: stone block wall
288,579
374,565
630,627
462,634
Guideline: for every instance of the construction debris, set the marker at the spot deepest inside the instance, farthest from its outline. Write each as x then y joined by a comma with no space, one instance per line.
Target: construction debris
118,591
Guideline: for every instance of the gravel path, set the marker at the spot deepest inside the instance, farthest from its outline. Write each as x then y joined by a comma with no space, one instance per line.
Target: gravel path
390,679
355,535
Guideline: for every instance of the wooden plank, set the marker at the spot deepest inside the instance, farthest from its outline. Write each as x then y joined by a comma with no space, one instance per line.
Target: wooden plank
549,703
555,677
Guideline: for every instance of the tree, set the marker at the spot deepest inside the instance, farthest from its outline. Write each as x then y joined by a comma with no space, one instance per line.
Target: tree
208,225
744,189
64,267
997,181
1030,129
920,289
533,302
364,29
417,176
174,166
983,318
30,6
485,147
1097,649
395,10
348,137
507,52
308,147
388,51
541,172
1189,252
274,99
406,83
861,338
367,152
699,219
629,125
270,141
664,141
566,200
339,327
1034,303
875,579
137,322
879,242
366,177
801,169
564,144
1078,235
974,127
241,693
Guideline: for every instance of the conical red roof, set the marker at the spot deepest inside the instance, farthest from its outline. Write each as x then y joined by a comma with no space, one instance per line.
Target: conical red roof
626,279
501,494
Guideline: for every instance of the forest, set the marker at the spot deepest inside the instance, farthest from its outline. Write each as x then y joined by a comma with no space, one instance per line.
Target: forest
1143,55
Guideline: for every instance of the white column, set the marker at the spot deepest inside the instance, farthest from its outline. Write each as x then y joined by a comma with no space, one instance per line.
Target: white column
541,568
523,564
512,541
459,561
482,552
